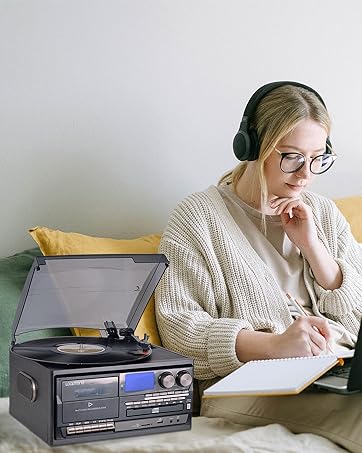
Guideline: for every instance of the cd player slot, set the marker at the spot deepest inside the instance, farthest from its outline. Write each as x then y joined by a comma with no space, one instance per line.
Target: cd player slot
154,410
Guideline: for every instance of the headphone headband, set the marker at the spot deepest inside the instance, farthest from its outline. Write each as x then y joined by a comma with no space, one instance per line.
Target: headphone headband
246,143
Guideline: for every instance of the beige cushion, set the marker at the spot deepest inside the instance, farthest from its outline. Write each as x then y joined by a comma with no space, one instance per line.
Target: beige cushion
351,208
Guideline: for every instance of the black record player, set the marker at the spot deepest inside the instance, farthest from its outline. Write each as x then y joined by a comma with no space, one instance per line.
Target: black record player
79,389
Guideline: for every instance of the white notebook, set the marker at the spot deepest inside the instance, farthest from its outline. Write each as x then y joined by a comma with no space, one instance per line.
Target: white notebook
273,377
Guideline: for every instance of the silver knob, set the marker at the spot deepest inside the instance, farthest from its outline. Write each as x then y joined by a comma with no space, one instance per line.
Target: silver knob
184,378
166,380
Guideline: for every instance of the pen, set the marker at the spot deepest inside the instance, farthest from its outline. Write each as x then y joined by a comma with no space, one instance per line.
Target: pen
297,305
299,308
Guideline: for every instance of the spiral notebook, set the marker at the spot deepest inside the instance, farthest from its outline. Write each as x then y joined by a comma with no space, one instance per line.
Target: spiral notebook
273,377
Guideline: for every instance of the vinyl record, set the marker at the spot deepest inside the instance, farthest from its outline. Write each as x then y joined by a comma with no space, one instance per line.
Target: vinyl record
82,350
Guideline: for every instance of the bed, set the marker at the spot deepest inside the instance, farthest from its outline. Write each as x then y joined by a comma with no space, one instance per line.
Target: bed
211,435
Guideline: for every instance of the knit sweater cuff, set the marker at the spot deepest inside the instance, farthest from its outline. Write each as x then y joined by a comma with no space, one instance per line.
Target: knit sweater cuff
341,301
221,351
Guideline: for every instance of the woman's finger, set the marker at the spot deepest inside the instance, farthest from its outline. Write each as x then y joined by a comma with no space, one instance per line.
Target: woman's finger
318,342
277,201
322,326
287,206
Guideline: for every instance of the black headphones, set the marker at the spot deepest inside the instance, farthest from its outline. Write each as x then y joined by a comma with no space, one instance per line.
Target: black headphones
246,142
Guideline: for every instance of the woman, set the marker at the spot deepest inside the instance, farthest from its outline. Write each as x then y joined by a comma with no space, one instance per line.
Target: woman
237,250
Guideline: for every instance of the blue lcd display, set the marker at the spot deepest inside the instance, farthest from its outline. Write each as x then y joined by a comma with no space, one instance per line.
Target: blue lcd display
135,382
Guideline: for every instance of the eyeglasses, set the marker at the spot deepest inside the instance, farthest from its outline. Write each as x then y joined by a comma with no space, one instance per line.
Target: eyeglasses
293,162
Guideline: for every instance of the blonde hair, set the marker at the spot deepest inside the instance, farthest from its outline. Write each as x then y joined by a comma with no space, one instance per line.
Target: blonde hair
277,114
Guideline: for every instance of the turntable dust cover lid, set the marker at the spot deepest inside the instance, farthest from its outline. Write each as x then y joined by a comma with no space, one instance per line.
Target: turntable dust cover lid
87,290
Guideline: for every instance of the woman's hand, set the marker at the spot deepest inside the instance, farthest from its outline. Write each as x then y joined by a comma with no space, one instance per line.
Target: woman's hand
307,336
297,220
298,223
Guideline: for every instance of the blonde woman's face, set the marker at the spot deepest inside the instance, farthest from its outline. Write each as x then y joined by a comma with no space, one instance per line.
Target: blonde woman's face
308,138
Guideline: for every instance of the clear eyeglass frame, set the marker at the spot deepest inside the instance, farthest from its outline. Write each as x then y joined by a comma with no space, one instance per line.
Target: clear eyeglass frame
302,160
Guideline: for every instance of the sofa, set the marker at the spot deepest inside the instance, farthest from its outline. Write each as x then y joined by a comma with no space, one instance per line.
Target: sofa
207,434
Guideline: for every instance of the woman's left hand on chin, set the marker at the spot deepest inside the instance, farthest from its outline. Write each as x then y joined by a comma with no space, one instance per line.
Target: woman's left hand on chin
297,220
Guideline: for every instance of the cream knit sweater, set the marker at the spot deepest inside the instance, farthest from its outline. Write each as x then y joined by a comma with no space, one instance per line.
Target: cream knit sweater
216,283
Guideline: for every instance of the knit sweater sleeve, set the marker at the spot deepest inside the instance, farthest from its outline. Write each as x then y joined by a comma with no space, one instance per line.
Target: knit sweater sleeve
187,300
343,304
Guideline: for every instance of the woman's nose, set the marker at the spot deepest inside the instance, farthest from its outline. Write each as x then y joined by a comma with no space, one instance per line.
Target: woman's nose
304,172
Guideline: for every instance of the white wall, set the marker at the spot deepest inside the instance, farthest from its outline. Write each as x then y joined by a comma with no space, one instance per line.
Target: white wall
111,111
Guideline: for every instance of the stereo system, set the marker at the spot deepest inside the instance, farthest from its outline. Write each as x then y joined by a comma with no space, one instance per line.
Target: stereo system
69,389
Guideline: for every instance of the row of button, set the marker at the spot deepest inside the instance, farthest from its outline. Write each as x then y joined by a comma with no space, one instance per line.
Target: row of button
90,428
167,403
151,403
159,394
157,398
177,392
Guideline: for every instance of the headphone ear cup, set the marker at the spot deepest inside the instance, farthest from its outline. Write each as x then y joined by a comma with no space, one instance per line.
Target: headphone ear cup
241,145
246,145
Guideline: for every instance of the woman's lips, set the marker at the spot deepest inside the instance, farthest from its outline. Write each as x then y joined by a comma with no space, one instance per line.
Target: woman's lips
294,187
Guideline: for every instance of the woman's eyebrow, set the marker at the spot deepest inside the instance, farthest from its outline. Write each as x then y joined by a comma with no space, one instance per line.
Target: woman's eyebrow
301,150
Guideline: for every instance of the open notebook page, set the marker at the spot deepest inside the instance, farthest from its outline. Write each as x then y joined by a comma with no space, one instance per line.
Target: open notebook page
273,377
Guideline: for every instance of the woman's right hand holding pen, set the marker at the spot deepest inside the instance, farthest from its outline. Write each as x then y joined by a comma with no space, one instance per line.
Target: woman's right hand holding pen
307,336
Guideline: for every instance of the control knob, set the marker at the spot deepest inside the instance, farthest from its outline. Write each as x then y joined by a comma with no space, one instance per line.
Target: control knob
166,380
183,378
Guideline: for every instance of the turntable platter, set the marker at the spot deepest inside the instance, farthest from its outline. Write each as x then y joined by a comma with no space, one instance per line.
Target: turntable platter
82,350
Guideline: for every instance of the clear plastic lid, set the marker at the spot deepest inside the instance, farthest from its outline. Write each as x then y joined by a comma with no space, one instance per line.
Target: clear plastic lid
87,290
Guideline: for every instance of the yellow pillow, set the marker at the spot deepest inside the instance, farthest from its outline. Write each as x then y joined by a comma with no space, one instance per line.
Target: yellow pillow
351,208
55,242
